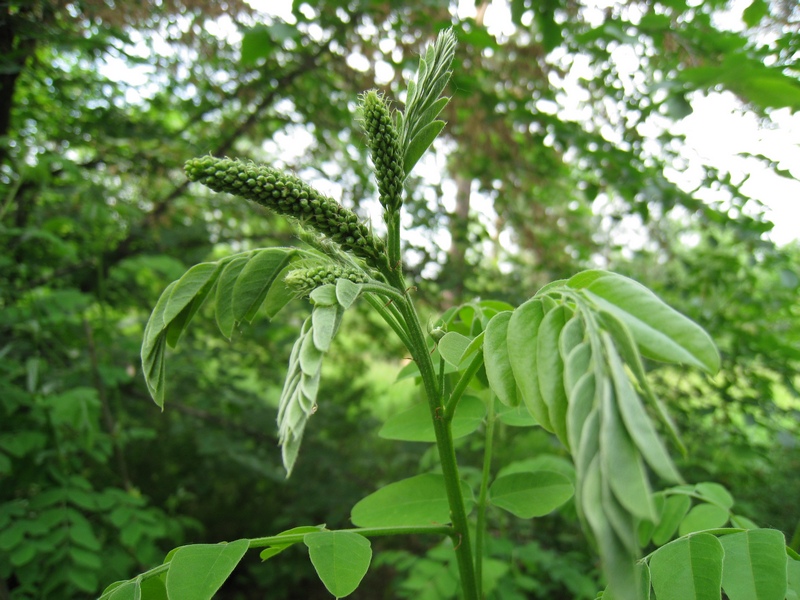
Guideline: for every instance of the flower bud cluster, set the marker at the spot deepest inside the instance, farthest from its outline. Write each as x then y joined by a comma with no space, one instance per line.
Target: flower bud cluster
385,150
288,196
307,280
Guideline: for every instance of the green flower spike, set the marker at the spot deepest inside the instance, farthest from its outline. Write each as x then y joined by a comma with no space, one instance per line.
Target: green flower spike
307,280
384,146
291,197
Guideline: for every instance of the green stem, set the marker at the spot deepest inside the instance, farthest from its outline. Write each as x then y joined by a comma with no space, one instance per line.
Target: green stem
480,529
393,241
461,386
444,441
387,314
295,538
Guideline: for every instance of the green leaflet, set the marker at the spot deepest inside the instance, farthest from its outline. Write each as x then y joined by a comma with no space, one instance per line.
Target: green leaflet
418,127
256,278
226,321
582,400
661,332
415,425
496,359
618,562
622,465
418,500
715,493
242,282
187,297
325,321
577,363
755,563
626,346
341,559
523,329
689,568
550,369
197,572
636,420
452,347
531,494
675,509
703,517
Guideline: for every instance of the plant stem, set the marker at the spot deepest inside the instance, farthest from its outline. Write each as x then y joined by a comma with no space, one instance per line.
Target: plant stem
444,441
281,540
480,529
387,316
461,386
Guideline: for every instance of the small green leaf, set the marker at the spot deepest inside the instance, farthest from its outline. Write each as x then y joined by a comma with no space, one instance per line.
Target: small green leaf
224,295
755,565
341,559
346,292
187,297
523,329
581,402
636,420
324,295
197,572
715,493
550,370
415,425
496,359
421,142
576,364
279,294
702,517
123,590
661,332
688,569
325,321
452,347
622,464
528,495
419,500
675,509
277,547
255,279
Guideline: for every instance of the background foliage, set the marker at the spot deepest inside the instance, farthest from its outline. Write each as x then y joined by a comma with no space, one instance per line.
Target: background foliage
99,108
